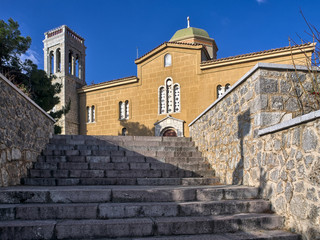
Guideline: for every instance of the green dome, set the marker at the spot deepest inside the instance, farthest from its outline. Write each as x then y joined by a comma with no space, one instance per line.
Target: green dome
189,32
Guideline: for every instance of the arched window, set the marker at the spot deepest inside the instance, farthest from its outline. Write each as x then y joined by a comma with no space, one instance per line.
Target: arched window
227,87
220,91
127,109
169,97
167,60
93,114
124,132
88,114
176,91
162,100
121,110
58,60
51,56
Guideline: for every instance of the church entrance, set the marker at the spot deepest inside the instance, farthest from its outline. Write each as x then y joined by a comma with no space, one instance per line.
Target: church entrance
169,133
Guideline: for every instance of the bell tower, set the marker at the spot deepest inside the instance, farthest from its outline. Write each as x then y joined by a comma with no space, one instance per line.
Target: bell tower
64,57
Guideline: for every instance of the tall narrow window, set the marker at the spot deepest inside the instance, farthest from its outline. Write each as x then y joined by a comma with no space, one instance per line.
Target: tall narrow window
121,110
227,87
51,56
127,109
176,91
93,114
162,100
88,115
220,91
167,60
77,66
169,96
58,60
70,62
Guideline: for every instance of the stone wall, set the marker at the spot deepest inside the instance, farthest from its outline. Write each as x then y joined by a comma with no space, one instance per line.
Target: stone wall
24,130
284,164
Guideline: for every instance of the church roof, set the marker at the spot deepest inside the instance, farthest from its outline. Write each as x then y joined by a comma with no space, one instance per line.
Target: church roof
171,44
253,54
189,32
259,56
108,84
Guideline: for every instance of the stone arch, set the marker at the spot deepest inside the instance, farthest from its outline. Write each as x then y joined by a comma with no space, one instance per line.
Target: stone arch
169,132
169,122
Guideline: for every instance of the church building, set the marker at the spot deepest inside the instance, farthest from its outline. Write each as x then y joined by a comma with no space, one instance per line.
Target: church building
175,82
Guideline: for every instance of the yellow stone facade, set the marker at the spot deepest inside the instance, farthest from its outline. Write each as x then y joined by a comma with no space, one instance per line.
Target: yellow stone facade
194,69
198,86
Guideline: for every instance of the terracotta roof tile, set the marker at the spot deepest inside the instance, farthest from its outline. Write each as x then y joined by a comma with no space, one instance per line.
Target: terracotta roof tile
254,53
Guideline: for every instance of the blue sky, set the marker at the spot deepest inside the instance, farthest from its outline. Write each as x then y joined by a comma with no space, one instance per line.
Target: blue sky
114,29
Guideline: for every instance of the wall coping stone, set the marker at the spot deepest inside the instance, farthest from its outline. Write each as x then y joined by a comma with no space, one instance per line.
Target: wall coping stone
26,97
290,123
249,73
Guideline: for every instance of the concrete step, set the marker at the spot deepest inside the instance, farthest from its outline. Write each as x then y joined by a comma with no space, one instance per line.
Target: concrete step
118,194
158,181
138,227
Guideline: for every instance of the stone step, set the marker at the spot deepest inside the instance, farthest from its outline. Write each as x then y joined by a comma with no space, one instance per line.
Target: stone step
138,227
115,159
81,139
121,163
147,153
58,181
46,211
152,146
239,235
118,194
75,171
101,163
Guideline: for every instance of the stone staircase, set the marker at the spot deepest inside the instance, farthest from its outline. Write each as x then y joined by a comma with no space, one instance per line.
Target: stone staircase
138,188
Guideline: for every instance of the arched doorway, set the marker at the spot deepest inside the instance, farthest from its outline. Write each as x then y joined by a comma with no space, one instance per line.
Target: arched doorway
169,133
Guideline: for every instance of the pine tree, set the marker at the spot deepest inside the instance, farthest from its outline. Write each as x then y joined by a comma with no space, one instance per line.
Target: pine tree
32,81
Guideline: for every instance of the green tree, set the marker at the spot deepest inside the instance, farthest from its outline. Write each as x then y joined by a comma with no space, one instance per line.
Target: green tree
26,75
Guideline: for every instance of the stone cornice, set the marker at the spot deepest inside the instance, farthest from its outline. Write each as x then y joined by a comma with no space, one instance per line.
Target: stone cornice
109,84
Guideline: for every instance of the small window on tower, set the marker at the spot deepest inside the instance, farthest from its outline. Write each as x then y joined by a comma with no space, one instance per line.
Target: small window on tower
167,60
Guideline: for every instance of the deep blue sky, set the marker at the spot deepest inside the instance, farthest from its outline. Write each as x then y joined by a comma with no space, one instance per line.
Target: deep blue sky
114,29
